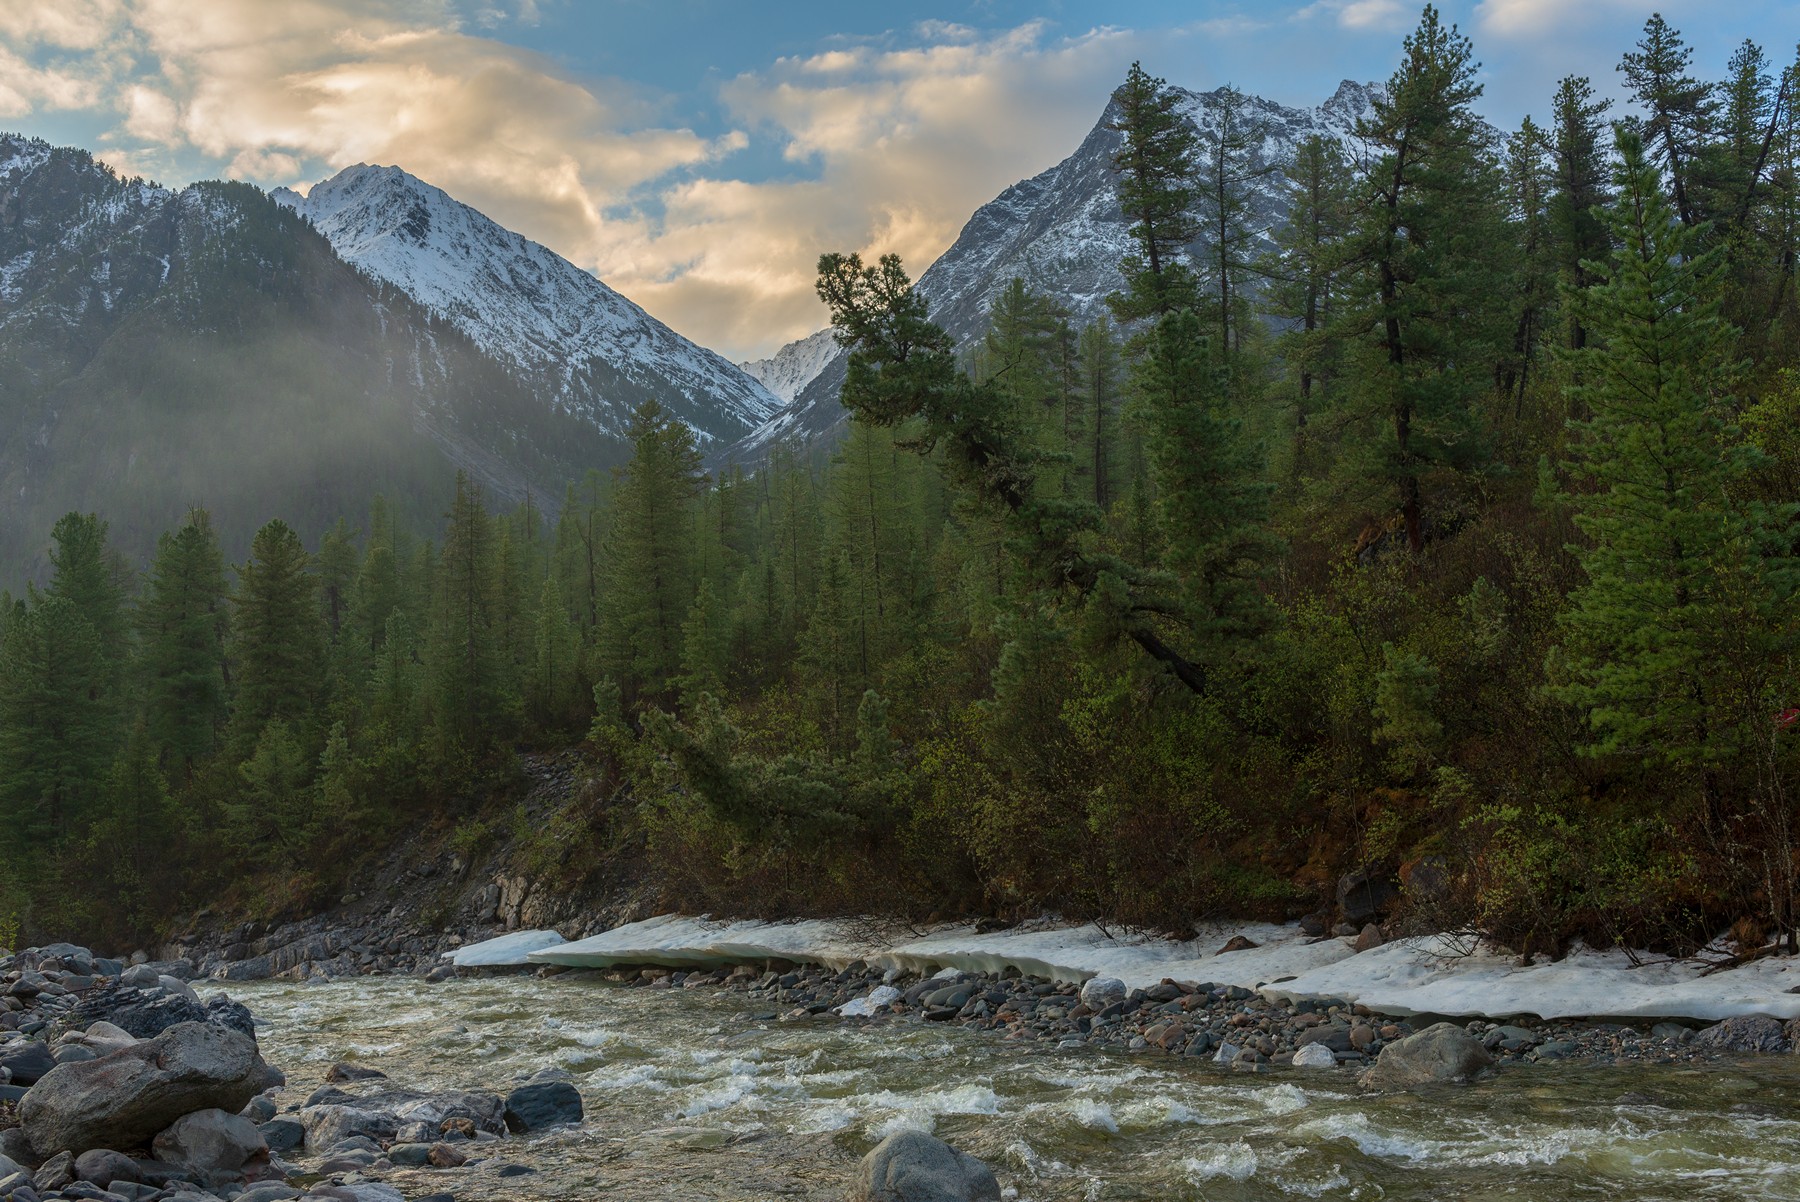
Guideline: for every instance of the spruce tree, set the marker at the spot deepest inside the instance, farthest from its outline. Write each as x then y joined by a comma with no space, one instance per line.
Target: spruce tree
1682,618
183,625
705,648
1580,235
471,699
653,544
56,725
278,640
87,573
1232,169
1307,271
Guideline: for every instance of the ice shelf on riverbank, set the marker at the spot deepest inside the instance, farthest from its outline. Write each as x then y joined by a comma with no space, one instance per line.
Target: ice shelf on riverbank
507,951
1414,976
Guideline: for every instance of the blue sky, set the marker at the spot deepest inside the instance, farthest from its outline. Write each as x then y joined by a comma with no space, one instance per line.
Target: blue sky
698,154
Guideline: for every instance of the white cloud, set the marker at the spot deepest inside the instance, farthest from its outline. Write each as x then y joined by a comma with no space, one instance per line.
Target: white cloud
892,142
1527,18
1359,14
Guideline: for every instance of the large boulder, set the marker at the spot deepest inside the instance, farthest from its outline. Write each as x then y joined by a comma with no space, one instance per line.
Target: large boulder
540,1104
123,1099
1744,1033
911,1166
102,1167
1440,1053
1097,993
214,1147
1363,896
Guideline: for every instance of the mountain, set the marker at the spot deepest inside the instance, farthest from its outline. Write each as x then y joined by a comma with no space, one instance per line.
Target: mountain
1061,232
580,345
161,349
795,365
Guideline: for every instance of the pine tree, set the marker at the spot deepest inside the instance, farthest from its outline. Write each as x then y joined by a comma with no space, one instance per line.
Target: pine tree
56,725
90,576
1686,583
1528,186
553,685
1678,109
1155,167
275,806
705,649
1098,355
1232,170
336,568
1581,188
278,640
1307,270
653,541
1429,240
471,699
183,625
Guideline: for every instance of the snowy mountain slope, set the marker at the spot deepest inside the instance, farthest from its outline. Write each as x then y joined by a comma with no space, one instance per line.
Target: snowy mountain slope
591,350
1063,234
795,365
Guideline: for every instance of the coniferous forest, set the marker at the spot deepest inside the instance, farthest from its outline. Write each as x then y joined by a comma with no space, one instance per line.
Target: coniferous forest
1453,536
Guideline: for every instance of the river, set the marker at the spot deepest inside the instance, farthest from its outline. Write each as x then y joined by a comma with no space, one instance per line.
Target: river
692,1095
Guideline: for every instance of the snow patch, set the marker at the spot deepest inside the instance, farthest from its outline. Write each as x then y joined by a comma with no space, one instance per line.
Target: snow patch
508,951
1411,976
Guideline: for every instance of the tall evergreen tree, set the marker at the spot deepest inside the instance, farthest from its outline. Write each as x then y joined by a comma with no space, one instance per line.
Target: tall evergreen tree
472,701
56,725
1677,109
1683,576
1581,188
653,541
278,640
183,623
1155,166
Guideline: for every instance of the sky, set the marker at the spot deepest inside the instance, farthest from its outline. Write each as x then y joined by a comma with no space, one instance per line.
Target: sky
698,155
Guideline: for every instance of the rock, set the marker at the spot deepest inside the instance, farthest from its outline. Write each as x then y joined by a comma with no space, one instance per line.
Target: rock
1369,938
446,1156
282,1135
380,1116
75,1053
102,1167
15,1147
268,1191
1237,943
104,1037
409,1155
27,1060
1363,896
9,1166
1744,1033
1439,1053
55,1173
1315,1055
215,1147
542,1104
1097,993
911,1166
1677,1033
123,1099
259,968
345,1071
140,976
178,988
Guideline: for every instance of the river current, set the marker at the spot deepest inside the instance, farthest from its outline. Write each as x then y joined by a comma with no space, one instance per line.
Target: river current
697,1095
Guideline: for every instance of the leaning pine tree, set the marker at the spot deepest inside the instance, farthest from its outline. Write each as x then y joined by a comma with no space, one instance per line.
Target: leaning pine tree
1676,642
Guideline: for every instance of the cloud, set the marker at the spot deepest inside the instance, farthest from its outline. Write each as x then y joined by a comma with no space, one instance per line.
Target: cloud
1528,18
872,141
1359,14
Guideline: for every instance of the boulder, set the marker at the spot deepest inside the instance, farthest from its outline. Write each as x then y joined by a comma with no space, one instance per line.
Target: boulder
911,1166
1097,993
1744,1033
215,1148
139,976
123,1099
282,1135
1315,1055
1440,1053
102,1167
1364,896
344,1070
54,1173
1369,938
337,1116
542,1104
27,1060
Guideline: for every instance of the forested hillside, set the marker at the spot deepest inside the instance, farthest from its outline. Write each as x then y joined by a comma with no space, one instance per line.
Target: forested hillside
1453,539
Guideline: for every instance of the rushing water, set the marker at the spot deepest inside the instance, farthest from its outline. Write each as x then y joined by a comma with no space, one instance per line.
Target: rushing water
691,1095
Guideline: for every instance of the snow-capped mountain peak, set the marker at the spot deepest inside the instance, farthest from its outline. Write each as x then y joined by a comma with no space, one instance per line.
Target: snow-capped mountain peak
590,350
795,365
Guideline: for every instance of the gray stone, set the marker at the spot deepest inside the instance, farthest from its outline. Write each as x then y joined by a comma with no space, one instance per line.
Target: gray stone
543,1104
178,988
15,1147
27,1060
1674,1032
1440,1053
103,1168
282,1135
911,1166
1097,993
258,968
140,976
1744,1033
1315,1055
410,1156
75,1053
123,1099
8,1167
215,1148
1364,896
268,1191
55,1173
